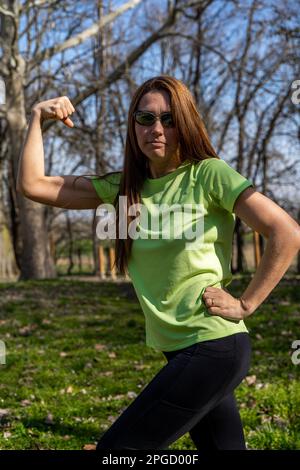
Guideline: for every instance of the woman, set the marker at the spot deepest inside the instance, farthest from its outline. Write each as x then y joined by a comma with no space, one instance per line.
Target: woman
190,316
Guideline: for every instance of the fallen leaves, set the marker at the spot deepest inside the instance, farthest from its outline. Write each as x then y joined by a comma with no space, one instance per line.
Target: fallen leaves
274,419
279,421
250,379
107,373
129,394
89,447
103,347
283,302
287,333
26,402
4,413
141,366
49,419
28,329
112,418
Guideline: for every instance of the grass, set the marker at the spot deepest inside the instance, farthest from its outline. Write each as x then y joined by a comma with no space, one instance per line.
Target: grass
76,358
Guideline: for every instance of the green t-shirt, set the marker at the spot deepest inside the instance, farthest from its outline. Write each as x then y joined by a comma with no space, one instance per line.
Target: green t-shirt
169,275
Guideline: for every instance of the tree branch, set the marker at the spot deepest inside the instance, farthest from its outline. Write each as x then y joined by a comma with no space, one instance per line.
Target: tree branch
84,35
125,65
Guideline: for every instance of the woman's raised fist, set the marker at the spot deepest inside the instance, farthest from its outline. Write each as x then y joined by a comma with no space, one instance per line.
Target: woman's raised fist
57,108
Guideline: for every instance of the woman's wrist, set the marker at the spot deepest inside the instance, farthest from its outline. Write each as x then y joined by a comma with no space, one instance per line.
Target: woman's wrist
36,114
246,308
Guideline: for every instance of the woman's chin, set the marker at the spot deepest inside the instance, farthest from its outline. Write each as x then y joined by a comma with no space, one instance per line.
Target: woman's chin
157,153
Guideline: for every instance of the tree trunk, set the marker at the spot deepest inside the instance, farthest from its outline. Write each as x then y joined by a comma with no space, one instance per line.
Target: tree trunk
29,229
36,261
100,66
8,267
29,234
298,256
239,246
71,244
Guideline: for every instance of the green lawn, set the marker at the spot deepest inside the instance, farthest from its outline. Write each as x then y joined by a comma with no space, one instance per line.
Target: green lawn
76,357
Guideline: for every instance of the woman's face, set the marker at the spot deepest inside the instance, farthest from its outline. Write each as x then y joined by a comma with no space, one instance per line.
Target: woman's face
166,148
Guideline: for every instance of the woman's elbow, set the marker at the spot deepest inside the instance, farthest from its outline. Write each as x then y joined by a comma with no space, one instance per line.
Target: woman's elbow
290,236
22,190
26,192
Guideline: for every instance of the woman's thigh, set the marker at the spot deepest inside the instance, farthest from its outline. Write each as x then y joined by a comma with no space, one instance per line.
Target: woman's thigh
221,428
192,383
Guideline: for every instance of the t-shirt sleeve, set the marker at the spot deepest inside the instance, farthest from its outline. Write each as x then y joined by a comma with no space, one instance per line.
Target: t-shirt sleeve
223,183
107,187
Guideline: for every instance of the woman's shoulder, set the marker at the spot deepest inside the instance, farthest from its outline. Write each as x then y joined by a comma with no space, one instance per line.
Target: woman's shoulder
213,164
214,171
112,177
209,164
209,161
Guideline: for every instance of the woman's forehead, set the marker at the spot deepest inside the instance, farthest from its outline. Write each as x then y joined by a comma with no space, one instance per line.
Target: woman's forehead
155,98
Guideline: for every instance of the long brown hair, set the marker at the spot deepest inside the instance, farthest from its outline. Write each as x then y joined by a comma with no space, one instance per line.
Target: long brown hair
194,145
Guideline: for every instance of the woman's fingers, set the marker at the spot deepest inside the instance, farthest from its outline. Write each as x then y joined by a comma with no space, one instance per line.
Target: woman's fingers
58,112
215,297
67,111
220,302
62,113
67,121
68,105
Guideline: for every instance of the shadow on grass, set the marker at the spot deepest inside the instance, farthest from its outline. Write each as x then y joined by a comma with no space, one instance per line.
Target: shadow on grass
82,431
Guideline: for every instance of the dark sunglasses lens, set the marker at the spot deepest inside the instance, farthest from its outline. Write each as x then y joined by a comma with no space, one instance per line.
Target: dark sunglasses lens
166,120
145,119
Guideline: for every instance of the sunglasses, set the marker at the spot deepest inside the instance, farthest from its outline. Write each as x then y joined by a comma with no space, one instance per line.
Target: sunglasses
146,118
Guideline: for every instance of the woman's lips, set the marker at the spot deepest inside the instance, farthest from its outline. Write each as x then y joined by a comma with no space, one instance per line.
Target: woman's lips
155,144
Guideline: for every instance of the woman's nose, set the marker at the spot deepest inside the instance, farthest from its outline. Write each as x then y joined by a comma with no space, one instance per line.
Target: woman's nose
157,127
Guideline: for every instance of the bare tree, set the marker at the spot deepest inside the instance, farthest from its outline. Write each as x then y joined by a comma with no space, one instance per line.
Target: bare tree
30,235
242,88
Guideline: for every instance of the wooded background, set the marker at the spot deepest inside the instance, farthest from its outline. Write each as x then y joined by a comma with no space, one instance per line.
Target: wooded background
239,58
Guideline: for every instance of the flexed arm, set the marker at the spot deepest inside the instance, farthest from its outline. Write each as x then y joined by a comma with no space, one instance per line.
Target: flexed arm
68,191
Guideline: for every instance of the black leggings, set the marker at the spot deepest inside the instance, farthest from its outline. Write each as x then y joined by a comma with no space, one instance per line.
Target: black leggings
193,392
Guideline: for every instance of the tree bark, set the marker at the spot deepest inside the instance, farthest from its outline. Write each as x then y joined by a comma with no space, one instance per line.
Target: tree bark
31,237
